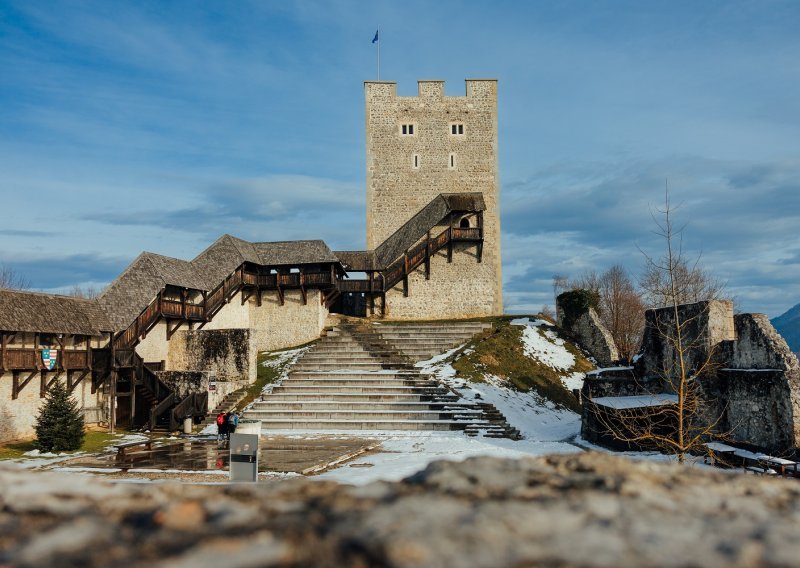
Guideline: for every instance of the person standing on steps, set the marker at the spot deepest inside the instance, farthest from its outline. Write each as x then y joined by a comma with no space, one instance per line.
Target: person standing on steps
222,427
233,422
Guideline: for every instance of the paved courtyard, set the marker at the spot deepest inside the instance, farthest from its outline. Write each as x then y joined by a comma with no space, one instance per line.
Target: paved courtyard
285,454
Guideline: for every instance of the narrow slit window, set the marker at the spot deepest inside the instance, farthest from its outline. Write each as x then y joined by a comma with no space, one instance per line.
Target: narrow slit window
452,163
415,162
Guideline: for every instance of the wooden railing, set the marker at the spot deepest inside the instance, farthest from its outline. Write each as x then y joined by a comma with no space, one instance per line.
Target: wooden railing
354,286
17,359
470,234
75,360
416,255
31,359
192,406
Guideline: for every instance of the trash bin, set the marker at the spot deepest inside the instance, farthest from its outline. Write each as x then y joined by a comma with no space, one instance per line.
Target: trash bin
188,425
244,457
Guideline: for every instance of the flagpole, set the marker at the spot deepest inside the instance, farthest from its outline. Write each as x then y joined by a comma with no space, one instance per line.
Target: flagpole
379,53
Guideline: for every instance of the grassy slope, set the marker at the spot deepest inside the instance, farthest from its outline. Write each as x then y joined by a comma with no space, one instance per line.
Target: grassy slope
499,352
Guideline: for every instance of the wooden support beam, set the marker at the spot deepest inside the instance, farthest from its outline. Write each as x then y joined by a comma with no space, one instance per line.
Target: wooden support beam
450,244
480,234
171,332
184,295
17,385
45,384
259,295
3,343
71,382
405,274
303,288
280,293
428,257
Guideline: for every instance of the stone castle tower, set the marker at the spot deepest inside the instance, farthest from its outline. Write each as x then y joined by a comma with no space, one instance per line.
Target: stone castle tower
420,147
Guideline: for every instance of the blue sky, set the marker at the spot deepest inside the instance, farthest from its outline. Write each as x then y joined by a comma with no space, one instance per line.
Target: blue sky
130,126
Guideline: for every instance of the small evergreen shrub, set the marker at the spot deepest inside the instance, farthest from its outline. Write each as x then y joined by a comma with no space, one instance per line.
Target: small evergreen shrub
59,425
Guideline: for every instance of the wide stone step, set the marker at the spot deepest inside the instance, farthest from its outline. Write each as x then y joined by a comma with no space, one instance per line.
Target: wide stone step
375,414
349,374
352,366
354,389
360,382
334,397
314,425
267,405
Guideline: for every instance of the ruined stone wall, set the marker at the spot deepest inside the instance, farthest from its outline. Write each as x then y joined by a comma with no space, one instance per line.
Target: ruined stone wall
459,289
754,407
621,381
750,381
397,190
705,326
225,352
588,331
18,417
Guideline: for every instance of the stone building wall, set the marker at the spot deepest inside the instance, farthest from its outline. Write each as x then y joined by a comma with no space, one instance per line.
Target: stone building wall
274,326
18,417
455,290
154,347
225,352
268,327
396,190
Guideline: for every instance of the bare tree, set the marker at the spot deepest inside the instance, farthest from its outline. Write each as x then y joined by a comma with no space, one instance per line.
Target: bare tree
11,279
681,427
88,292
691,284
560,284
620,307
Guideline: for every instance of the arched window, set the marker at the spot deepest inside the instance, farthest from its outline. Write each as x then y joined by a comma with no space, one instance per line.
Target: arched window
464,224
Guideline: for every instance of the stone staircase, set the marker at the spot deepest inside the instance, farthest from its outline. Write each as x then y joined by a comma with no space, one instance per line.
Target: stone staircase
357,378
227,404
420,341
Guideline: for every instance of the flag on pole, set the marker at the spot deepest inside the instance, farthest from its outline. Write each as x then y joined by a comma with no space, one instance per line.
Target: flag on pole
375,39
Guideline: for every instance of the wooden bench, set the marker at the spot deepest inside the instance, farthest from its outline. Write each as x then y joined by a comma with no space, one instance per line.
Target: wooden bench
122,449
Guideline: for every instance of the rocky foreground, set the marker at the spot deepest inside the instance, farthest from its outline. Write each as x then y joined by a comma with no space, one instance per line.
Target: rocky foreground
576,510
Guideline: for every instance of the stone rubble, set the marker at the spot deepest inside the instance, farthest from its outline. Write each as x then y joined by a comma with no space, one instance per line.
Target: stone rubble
585,509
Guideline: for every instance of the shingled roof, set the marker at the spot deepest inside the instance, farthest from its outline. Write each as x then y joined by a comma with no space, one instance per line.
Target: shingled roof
426,219
50,313
357,260
135,288
282,253
131,291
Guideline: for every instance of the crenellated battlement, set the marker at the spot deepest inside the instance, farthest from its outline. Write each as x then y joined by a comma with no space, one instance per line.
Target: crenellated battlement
431,89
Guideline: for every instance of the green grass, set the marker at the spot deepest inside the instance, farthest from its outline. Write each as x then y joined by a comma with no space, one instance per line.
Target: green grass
92,443
499,351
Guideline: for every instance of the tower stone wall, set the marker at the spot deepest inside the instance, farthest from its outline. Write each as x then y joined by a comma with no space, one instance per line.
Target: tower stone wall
419,147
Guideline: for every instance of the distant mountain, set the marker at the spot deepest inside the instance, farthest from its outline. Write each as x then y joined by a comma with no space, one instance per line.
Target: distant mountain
788,325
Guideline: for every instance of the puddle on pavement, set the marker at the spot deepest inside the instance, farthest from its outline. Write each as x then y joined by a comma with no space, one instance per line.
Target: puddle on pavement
278,454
